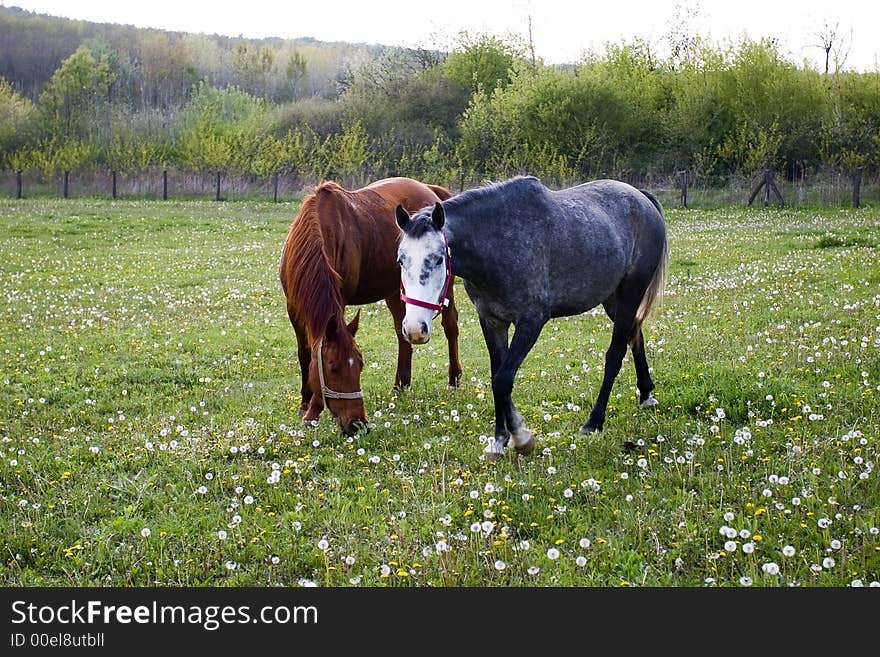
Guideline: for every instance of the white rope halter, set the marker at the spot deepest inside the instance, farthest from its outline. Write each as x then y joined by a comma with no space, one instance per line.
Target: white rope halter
327,392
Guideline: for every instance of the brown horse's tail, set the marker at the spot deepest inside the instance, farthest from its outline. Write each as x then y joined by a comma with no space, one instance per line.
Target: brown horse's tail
441,192
654,294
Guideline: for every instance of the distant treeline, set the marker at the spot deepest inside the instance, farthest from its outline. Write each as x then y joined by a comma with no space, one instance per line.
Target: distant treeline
83,96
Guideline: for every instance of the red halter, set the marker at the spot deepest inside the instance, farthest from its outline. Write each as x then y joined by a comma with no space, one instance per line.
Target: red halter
443,302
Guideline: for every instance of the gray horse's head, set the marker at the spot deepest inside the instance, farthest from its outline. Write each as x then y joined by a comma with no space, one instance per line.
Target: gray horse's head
425,273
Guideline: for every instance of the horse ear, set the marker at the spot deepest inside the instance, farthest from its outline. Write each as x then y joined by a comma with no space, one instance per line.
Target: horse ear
402,217
353,324
330,331
438,216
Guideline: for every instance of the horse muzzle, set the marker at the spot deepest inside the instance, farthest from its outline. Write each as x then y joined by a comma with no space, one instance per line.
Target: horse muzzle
417,332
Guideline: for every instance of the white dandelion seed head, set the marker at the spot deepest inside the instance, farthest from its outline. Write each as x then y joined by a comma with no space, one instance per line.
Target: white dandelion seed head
771,568
553,554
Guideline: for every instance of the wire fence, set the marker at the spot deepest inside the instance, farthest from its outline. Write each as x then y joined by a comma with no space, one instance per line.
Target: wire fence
828,187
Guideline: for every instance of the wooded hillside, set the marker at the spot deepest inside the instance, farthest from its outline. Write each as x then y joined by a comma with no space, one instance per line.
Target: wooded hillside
83,96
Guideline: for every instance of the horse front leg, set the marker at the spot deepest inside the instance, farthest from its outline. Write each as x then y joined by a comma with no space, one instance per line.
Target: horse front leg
449,321
403,375
525,335
495,335
304,356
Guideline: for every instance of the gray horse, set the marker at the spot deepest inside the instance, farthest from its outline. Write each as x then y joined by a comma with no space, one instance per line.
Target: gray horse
526,254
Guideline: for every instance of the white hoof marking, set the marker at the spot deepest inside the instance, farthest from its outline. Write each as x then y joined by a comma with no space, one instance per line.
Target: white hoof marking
494,449
649,402
521,437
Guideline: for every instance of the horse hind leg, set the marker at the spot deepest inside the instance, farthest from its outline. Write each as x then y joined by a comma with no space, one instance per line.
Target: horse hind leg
624,309
643,374
637,345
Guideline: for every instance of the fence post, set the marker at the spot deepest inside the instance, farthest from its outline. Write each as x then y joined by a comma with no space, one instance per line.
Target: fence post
683,175
857,184
18,183
217,195
66,178
767,179
275,199
165,185
113,175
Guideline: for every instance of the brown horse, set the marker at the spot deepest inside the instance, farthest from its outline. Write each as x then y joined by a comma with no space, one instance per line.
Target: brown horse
341,249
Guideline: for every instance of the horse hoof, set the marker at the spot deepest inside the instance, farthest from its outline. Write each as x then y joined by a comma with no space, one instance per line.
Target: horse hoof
494,450
310,422
523,441
649,402
589,428
527,448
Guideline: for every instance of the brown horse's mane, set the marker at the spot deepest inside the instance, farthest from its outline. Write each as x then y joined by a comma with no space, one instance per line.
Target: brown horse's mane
308,278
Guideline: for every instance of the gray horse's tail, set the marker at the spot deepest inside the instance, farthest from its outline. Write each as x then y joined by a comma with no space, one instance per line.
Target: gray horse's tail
654,293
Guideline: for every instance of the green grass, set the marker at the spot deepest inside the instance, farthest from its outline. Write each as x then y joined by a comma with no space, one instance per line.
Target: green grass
148,382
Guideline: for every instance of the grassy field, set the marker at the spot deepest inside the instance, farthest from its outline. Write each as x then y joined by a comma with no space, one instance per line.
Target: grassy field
149,392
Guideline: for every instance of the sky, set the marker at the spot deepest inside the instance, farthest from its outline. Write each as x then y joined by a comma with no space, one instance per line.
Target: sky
561,30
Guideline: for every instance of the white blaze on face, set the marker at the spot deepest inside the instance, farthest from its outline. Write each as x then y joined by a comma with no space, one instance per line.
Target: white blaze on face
423,272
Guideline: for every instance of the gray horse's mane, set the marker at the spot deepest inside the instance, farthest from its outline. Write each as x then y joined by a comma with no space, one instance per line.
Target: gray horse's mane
497,195
498,192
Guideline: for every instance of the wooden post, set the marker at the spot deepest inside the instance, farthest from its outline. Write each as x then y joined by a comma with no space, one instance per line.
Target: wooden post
217,195
18,184
802,176
857,184
769,184
275,199
66,179
756,190
113,174
165,185
683,175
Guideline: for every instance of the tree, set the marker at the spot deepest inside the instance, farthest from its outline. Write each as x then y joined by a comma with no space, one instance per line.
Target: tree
16,113
832,41
295,70
482,62
76,97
